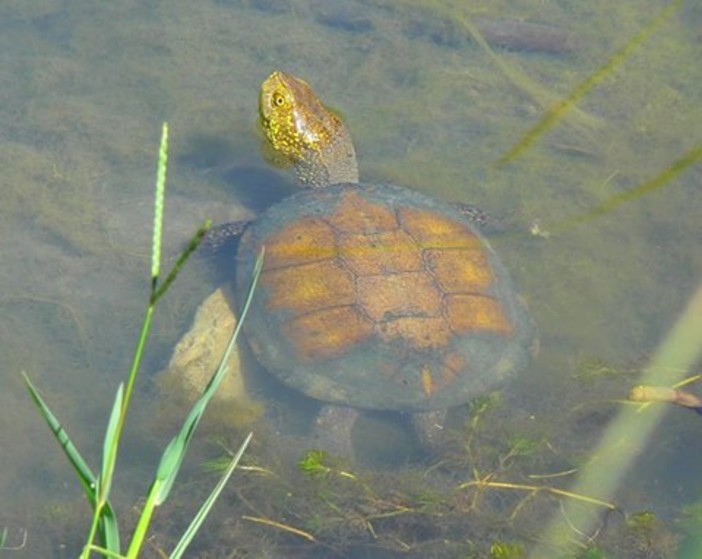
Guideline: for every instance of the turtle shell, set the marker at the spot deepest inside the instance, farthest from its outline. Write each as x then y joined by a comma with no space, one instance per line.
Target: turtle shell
379,297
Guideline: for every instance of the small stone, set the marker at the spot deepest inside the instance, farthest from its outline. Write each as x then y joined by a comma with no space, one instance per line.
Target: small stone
197,356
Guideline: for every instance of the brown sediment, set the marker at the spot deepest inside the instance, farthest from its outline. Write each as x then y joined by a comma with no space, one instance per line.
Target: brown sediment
516,35
526,36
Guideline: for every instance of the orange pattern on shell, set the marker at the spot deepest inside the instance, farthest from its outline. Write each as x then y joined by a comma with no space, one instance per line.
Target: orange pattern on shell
316,286
356,215
325,334
459,271
365,270
381,253
452,366
390,297
421,332
475,313
301,242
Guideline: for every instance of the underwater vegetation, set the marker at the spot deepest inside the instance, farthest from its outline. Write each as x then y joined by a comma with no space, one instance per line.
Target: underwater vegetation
487,493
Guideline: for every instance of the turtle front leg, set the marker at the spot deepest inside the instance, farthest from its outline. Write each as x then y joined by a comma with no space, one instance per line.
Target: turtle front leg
332,430
485,222
222,237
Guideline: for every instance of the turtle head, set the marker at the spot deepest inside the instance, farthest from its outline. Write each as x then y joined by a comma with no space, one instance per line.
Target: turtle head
302,131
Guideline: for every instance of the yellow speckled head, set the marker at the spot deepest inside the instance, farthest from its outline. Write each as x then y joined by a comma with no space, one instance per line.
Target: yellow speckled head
293,118
305,132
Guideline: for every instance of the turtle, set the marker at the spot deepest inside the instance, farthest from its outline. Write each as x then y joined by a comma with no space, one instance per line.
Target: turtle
371,296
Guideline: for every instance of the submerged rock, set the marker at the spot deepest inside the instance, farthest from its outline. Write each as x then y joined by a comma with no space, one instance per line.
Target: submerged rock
197,356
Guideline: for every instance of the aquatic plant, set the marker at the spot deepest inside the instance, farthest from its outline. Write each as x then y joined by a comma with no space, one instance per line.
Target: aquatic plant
103,537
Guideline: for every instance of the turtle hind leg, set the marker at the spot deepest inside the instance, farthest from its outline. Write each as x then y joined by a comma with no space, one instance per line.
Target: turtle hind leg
333,428
430,428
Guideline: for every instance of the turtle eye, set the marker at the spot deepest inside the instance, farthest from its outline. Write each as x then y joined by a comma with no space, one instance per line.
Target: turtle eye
278,100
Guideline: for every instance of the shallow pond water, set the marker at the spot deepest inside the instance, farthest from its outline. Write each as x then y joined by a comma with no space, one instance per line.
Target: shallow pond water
86,87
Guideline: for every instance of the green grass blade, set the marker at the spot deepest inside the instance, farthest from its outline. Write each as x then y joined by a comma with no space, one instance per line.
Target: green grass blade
664,178
159,195
626,434
85,475
142,527
560,109
521,80
199,518
109,530
173,455
687,160
182,259
109,446
106,552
